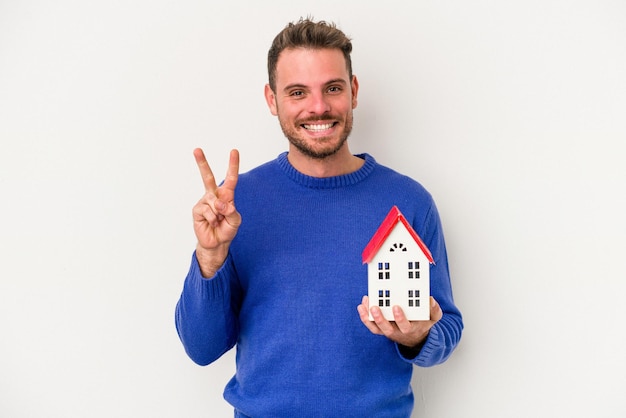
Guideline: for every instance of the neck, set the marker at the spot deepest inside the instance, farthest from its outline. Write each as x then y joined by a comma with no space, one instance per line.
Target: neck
340,163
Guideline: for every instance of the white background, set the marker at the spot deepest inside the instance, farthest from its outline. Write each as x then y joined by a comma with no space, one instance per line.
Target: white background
512,113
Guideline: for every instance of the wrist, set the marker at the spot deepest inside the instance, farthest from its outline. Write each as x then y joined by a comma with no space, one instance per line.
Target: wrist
411,352
210,260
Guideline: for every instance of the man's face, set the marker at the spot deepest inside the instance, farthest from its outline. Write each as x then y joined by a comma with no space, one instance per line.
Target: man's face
314,100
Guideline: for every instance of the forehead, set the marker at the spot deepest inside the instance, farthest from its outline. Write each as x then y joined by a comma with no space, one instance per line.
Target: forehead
310,66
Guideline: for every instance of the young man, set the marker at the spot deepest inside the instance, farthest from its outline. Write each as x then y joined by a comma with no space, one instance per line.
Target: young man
277,270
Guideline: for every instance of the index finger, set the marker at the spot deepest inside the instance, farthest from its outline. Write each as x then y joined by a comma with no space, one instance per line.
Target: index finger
208,179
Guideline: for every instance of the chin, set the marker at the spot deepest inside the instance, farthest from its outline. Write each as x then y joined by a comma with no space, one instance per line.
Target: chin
318,153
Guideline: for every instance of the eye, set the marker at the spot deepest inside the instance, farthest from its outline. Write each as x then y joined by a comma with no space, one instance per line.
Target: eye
296,93
334,89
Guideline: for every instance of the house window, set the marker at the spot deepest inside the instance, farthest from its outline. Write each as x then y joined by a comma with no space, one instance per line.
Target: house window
384,298
414,298
414,270
397,247
383,271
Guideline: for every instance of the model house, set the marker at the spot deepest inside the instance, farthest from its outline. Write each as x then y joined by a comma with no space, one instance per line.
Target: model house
398,268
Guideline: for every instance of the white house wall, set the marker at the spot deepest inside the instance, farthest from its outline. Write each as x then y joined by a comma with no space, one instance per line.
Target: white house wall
398,284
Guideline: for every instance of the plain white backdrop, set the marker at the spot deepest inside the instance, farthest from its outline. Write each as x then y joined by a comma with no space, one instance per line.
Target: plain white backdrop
512,113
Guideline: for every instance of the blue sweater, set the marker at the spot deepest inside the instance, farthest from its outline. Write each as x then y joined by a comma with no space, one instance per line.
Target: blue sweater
288,292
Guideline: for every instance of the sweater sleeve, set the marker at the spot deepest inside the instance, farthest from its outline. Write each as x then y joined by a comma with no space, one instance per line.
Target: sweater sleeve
205,313
445,335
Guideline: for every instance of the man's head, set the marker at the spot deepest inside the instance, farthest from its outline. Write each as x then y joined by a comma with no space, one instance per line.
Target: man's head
309,35
312,90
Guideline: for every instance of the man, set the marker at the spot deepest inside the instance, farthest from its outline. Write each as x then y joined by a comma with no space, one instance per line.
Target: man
277,270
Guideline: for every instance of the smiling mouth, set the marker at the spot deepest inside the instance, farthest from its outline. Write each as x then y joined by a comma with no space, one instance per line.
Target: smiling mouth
318,127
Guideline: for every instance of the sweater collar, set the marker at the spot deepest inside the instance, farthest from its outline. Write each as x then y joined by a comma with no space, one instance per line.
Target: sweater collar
327,182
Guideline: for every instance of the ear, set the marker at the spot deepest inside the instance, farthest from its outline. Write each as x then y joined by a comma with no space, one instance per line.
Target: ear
270,98
355,91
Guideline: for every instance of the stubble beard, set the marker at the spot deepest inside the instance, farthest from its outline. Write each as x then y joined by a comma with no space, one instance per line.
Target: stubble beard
317,153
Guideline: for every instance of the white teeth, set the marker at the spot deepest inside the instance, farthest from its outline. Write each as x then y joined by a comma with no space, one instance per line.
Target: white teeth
319,127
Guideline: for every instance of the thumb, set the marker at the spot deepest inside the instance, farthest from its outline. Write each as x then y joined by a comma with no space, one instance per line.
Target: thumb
228,211
435,310
220,206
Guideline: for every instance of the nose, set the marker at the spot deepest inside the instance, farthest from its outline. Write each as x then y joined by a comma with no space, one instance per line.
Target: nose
318,104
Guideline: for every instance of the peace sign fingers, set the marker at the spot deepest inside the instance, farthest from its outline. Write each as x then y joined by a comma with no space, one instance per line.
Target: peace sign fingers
205,171
216,219
208,179
232,175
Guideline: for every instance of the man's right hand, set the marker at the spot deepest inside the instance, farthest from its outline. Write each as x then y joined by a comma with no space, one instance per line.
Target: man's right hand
215,218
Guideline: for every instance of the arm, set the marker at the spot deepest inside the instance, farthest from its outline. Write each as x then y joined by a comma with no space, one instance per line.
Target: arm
441,341
205,317
425,343
206,313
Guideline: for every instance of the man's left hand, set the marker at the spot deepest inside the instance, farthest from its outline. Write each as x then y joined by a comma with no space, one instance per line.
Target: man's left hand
401,330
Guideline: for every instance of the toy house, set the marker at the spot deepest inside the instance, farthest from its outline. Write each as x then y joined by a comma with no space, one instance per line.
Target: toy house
398,269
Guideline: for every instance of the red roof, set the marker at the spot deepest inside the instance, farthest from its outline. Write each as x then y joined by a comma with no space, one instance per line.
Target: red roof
393,217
